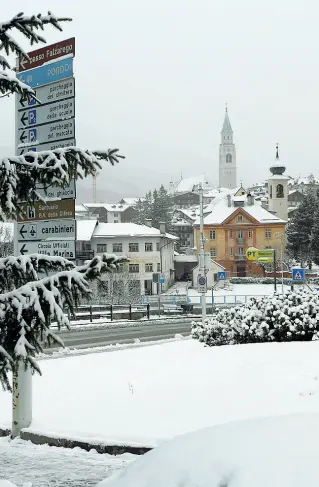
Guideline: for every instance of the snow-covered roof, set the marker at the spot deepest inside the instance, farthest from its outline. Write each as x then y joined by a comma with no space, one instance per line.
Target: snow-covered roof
131,201
85,229
128,230
186,185
221,211
279,176
81,209
181,223
117,207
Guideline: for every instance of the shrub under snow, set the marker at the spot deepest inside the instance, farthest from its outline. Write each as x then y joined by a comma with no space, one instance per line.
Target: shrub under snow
292,316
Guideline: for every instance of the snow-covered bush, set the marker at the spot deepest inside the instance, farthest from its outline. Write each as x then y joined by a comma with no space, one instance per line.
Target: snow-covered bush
292,316
258,280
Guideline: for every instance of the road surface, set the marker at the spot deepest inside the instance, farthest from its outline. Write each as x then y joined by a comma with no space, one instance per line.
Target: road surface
111,336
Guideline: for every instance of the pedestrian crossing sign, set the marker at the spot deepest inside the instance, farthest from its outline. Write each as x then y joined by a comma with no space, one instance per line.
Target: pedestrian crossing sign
221,276
298,275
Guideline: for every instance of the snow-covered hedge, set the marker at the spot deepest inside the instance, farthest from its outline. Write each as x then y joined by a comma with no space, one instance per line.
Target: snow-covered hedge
258,280
292,316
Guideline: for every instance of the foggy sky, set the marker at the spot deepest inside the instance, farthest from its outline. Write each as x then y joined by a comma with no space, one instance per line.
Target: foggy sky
152,78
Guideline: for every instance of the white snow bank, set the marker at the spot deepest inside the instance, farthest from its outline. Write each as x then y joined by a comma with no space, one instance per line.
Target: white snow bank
276,452
150,394
6,483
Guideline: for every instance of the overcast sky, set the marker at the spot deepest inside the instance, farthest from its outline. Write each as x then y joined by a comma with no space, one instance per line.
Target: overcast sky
152,78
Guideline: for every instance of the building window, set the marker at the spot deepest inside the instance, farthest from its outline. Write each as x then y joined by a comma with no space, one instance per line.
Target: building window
268,233
250,233
115,215
148,247
228,158
120,267
117,247
231,251
158,267
157,246
148,267
230,234
231,269
270,193
212,234
279,191
240,250
213,252
134,268
240,218
100,248
240,234
133,247
116,221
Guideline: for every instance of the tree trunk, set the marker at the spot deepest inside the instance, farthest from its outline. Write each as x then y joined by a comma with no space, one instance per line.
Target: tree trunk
21,398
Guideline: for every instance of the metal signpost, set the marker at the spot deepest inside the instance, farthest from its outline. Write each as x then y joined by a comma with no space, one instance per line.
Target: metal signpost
49,227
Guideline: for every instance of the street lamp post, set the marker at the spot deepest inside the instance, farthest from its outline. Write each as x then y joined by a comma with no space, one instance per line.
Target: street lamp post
280,236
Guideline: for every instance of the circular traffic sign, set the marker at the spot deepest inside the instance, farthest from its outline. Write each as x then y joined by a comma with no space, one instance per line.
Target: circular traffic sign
202,280
252,253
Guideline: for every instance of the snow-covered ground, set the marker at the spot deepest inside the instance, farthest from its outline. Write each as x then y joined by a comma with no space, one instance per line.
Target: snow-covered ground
29,465
146,395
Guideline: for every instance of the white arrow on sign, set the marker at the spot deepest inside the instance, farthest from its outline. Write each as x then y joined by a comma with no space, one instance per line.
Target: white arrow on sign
23,62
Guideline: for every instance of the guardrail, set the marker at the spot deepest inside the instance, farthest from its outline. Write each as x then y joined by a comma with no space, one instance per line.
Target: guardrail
112,312
215,300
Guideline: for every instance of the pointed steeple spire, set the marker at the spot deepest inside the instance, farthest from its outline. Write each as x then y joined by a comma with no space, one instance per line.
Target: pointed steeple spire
277,168
226,125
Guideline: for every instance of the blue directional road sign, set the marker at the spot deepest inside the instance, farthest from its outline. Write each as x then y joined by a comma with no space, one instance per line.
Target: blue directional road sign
47,73
298,275
162,279
221,276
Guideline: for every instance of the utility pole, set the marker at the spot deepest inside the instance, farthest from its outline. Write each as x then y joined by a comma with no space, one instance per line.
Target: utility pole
275,271
202,269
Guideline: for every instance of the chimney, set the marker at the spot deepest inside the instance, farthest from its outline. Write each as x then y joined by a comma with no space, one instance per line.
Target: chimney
229,200
148,222
250,199
162,228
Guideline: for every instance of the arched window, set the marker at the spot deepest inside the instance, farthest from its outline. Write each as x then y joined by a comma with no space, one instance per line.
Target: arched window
228,158
270,194
279,191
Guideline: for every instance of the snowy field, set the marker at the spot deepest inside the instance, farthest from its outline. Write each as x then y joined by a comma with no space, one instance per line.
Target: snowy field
28,465
146,395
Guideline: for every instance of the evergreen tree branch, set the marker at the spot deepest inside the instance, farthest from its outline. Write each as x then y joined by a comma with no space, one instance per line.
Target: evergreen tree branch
19,175
26,313
10,84
27,26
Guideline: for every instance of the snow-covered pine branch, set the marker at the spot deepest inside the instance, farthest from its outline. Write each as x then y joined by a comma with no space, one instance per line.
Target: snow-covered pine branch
19,175
26,313
27,25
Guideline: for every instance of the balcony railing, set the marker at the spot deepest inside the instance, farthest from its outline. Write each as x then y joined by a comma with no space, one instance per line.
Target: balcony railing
240,256
240,240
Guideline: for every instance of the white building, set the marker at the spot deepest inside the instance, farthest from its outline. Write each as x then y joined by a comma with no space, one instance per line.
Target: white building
148,249
227,156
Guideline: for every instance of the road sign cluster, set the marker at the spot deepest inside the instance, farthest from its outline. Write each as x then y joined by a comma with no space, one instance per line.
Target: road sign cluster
48,227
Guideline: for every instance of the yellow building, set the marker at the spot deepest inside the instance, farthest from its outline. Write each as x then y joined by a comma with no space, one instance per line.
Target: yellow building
234,224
